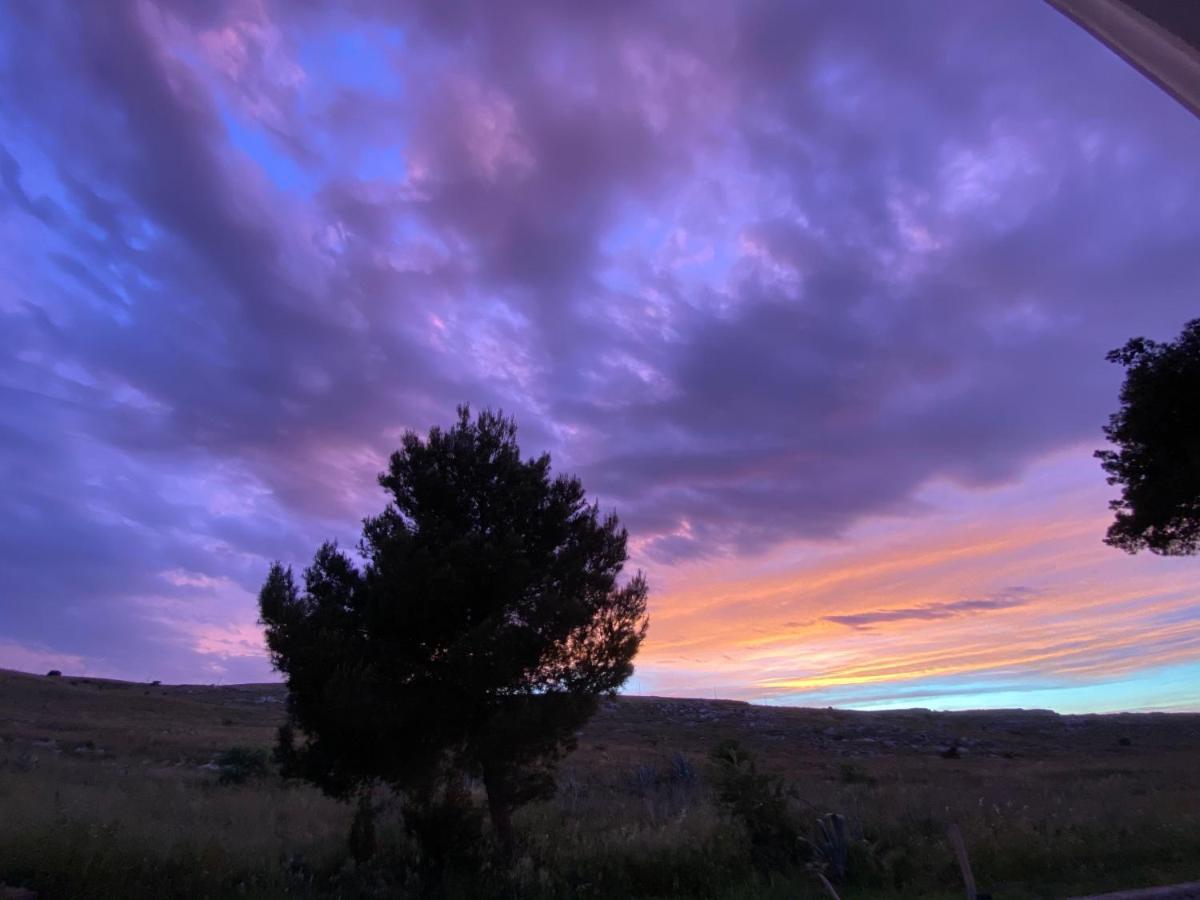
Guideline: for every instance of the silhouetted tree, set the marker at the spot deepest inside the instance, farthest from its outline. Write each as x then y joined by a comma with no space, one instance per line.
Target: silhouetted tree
483,626
1157,431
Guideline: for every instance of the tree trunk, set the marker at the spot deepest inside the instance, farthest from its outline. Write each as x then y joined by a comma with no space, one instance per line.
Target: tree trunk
500,808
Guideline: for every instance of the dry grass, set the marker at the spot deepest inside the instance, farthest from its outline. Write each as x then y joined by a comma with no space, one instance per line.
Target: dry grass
120,806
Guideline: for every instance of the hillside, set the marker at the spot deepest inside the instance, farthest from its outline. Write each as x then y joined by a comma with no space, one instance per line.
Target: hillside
166,723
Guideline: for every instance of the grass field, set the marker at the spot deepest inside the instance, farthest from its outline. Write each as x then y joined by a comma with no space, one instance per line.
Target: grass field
104,792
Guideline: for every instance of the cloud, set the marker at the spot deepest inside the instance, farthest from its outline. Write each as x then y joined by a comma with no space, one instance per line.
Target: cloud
946,609
758,273
38,659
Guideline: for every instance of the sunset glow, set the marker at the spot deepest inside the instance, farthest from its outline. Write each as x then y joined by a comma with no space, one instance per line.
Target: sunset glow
816,296
1016,600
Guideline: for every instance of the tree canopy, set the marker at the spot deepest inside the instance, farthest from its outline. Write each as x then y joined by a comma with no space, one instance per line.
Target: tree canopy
484,621
1157,433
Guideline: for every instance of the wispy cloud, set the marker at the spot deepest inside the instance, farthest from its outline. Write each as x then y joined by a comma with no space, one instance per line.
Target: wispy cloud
947,609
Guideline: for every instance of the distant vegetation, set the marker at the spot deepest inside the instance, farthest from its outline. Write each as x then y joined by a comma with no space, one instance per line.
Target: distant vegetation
112,789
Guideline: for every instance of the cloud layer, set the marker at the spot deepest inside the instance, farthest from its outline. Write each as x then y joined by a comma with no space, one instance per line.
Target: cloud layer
926,612
760,274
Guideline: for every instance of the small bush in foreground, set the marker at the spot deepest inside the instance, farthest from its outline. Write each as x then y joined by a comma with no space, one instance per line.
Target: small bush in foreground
237,765
853,773
760,803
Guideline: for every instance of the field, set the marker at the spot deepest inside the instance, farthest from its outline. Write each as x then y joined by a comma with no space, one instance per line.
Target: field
107,790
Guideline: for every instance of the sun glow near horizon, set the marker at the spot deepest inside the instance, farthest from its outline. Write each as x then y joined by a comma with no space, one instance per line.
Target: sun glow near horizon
1000,594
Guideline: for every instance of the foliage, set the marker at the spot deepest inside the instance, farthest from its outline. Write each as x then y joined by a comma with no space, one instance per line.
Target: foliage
853,773
762,804
666,789
1157,432
237,765
284,752
475,640
831,844
446,827
362,830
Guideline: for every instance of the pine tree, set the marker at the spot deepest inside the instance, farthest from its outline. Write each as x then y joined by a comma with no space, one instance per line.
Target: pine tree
476,636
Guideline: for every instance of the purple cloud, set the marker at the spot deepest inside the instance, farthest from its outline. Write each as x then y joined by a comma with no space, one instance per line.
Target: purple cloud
944,609
756,273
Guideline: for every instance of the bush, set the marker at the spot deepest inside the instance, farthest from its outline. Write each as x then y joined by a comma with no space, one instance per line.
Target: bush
237,765
362,830
666,789
54,673
681,771
852,773
832,845
447,827
762,805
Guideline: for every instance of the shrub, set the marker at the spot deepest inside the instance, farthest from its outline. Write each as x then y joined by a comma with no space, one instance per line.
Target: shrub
852,773
362,830
284,754
832,845
666,789
681,771
447,827
762,804
237,765
54,673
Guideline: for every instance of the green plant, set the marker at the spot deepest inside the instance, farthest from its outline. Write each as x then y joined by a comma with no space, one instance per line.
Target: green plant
362,830
853,773
831,845
237,765
761,803
447,826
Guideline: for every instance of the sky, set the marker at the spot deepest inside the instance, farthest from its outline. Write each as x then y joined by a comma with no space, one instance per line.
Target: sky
816,296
